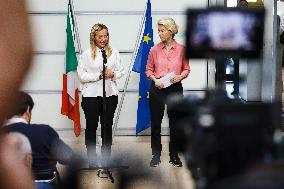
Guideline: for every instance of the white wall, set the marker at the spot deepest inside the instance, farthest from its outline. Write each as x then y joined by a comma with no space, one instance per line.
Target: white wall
48,20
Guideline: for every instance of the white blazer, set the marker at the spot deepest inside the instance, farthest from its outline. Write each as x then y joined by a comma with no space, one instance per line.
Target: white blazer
89,71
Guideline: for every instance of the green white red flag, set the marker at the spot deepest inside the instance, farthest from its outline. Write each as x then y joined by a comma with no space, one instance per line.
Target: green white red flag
70,93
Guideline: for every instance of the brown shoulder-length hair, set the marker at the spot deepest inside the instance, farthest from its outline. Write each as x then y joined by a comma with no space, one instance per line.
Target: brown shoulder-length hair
96,28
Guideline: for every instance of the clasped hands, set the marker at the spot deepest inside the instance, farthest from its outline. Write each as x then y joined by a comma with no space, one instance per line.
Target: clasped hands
108,74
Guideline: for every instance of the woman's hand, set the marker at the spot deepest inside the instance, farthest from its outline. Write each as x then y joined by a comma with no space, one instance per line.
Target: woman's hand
177,79
159,85
108,74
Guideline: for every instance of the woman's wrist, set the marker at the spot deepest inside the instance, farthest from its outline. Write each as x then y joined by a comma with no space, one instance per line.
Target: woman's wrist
153,78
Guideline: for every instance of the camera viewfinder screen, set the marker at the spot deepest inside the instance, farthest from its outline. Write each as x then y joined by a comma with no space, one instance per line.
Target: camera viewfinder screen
224,32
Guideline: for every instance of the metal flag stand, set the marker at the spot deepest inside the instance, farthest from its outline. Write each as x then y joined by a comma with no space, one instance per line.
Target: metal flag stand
129,72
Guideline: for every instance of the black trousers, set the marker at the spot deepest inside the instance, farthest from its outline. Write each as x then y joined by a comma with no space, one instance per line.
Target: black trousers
93,109
157,103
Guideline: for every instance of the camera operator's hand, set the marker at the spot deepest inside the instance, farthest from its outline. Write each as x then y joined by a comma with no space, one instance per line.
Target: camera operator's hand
177,79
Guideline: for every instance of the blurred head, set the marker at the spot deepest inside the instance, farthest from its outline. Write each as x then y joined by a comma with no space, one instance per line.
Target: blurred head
99,38
24,148
23,106
167,28
242,3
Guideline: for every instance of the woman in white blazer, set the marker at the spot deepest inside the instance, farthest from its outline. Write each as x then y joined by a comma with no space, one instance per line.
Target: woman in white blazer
90,74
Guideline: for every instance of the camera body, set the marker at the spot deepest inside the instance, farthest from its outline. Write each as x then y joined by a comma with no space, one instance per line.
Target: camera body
221,137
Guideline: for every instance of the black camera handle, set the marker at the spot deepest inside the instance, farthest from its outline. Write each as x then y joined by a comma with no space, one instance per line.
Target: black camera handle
220,75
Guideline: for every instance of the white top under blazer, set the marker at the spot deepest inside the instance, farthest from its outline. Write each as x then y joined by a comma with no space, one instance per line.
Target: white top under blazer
89,71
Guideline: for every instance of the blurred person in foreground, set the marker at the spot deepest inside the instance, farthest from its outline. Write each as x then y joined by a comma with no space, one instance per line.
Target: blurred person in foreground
164,58
47,147
24,148
25,152
15,59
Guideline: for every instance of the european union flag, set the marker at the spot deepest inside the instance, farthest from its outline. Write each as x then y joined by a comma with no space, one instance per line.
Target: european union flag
143,111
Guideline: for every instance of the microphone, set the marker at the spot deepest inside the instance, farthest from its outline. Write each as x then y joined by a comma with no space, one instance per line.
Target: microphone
104,55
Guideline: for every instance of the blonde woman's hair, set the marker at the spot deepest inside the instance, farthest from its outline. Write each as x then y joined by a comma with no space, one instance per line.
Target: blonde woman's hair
96,28
169,24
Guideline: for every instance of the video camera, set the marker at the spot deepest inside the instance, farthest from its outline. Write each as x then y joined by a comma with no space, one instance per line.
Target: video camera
221,137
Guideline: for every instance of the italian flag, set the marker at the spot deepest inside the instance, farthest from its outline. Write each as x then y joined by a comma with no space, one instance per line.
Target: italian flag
70,95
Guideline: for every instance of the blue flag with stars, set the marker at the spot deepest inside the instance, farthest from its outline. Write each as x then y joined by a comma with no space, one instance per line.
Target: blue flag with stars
143,111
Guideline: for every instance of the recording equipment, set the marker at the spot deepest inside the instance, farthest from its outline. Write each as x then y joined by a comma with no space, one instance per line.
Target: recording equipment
224,32
221,137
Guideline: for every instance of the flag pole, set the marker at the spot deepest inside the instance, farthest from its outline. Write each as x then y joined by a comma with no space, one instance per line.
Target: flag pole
76,28
129,72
